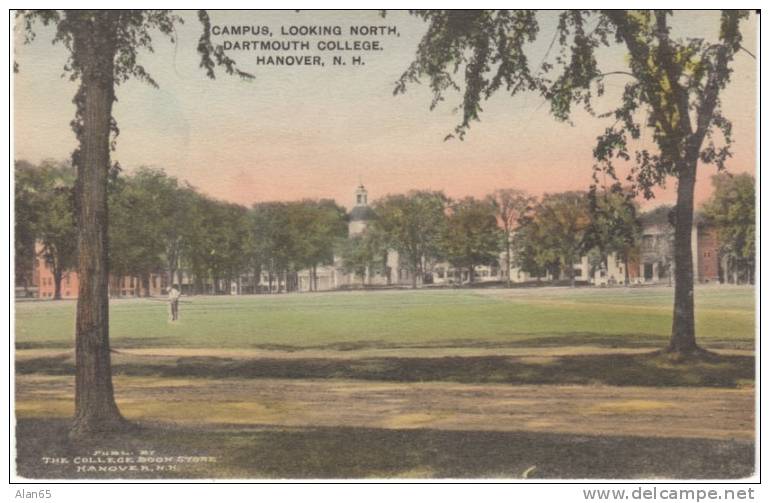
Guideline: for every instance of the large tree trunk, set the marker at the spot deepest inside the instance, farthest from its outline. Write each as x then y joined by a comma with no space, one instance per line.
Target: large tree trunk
683,328
93,50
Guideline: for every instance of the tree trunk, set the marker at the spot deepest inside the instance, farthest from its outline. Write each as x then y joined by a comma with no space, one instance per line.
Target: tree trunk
257,278
95,408
315,278
625,268
173,264
146,284
57,276
508,261
683,328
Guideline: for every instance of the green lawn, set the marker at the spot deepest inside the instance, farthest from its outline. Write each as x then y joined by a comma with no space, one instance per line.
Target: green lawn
340,410
619,317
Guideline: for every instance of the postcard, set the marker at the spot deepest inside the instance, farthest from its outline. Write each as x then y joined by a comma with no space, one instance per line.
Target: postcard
353,245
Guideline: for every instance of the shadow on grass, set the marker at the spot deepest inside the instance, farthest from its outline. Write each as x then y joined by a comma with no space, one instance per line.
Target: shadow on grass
522,340
346,452
612,369
515,340
122,342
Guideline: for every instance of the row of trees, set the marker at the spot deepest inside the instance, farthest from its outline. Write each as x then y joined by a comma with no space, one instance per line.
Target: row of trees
538,237
160,225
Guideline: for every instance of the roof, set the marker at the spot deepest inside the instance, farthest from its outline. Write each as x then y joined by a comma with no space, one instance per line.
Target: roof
662,215
359,213
657,216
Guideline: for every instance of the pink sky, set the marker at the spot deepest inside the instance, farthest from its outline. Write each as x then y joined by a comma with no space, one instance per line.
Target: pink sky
315,132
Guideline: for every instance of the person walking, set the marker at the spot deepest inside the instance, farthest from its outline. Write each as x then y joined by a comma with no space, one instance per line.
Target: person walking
173,301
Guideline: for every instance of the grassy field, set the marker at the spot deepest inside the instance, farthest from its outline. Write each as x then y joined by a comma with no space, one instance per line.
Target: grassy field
542,383
617,317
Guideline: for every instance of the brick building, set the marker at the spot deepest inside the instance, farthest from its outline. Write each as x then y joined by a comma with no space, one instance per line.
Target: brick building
44,287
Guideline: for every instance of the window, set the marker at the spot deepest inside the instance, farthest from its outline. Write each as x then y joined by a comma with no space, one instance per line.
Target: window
648,242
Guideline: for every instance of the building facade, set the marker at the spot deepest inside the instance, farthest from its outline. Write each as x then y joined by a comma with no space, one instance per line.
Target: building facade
655,262
44,283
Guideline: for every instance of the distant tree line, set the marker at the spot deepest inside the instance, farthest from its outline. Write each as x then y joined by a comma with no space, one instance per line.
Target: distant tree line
159,225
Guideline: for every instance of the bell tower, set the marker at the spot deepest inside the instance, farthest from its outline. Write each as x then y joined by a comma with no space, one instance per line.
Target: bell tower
361,213
361,196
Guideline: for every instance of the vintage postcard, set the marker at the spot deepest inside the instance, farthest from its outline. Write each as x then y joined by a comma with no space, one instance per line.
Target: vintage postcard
483,244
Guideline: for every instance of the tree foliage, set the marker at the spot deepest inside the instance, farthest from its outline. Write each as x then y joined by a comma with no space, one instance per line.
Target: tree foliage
413,225
362,255
615,227
45,214
556,232
472,236
731,209
510,206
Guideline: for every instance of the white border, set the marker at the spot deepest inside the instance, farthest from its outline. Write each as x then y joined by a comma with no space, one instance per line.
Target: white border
160,490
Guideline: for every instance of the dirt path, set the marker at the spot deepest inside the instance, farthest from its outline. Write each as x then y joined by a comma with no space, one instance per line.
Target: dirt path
593,410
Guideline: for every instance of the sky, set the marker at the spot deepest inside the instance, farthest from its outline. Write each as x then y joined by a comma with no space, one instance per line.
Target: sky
317,132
